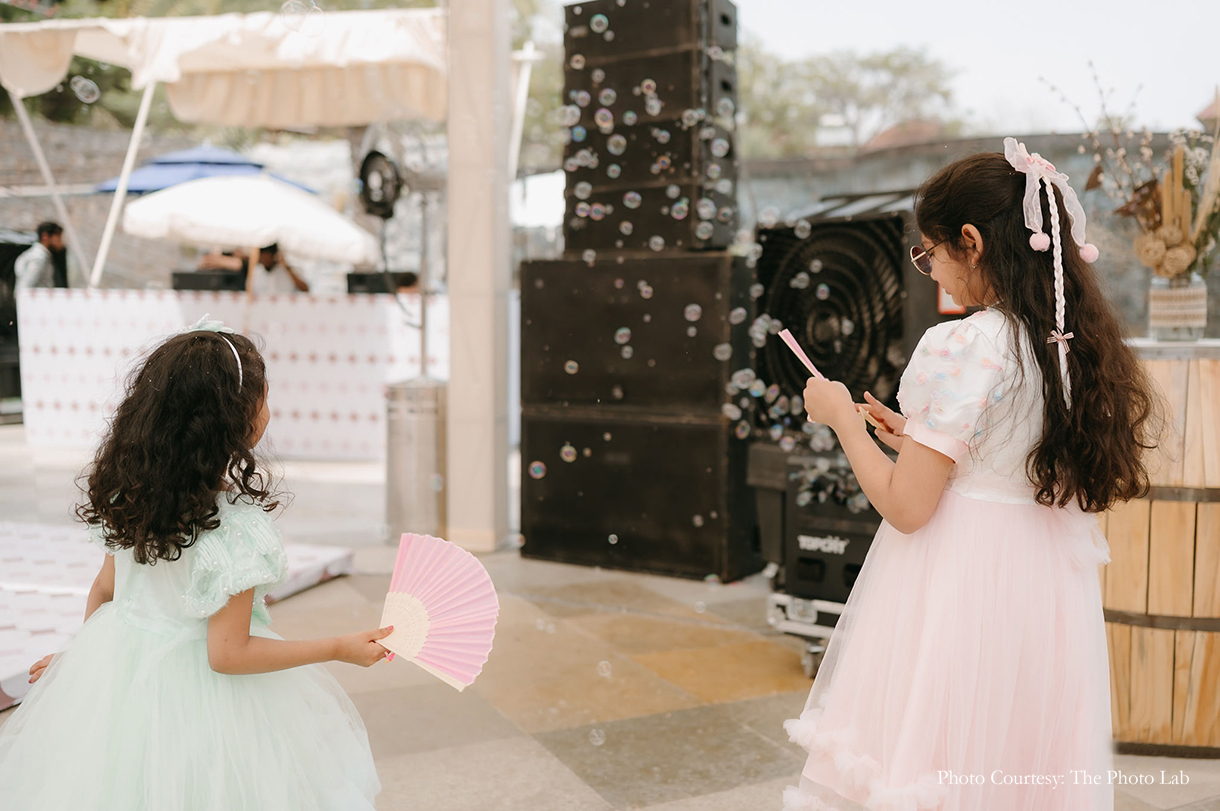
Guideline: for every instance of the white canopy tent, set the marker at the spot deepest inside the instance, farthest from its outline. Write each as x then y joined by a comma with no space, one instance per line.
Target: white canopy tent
363,67
252,70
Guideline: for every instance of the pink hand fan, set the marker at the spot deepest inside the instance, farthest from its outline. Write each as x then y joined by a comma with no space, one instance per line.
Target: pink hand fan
443,607
800,353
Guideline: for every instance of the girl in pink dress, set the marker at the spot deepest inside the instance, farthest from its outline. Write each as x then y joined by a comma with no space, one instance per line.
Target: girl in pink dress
969,669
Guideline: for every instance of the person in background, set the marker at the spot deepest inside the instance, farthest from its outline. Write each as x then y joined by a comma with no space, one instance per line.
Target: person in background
277,275
43,265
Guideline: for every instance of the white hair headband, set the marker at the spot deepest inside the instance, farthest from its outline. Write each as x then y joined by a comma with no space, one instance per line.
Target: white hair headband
204,325
1039,170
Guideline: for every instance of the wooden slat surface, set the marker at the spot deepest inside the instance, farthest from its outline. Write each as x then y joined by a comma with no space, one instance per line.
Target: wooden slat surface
1171,557
1102,522
1198,411
1196,699
1165,462
1127,575
1151,715
1207,562
1209,393
1119,639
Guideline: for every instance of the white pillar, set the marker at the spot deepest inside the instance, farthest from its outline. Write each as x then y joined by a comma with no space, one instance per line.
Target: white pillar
479,274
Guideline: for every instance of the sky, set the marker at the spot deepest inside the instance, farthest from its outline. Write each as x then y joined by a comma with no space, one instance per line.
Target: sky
1000,49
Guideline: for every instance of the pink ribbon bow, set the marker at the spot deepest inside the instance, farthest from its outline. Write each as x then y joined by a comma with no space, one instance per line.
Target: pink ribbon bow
1061,338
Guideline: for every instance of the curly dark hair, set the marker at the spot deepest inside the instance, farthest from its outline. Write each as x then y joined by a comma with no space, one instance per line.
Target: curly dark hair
1094,452
180,437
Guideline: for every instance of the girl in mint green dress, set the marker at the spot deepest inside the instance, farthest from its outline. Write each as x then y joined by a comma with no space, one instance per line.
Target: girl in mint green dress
175,695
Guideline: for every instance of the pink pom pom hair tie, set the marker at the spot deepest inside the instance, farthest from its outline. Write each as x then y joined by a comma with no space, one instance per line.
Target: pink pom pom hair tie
1040,171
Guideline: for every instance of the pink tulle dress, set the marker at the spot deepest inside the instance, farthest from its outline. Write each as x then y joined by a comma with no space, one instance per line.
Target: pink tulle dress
969,670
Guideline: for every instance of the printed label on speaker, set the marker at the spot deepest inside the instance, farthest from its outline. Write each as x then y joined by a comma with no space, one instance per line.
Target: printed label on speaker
831,545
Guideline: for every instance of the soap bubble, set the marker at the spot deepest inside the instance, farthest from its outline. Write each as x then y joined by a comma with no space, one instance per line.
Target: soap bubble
629,118
613,539
802,229
692,312
742,378
599,23
756,290
304,18
597,737
691,332
662,136
617,392
722,351
537,470
653,106
589,255
758,388
625,228
725,215
673,191
731,411
597,211
577,62
656,243
737,315
604,119
800,281
646,291
776,431
662,163
742,430
725,107
583,209
606,437
823,292
85,89
567,453
579,133
616,145
627,352
704,230
648,86
712,171
603,667
786,444
768,216
705,208
623,334
598,75
847,326
607,97
583,190
613,170
569,115
697,520
724,186
680,210
632,199
690,118
816,266
571,367
720,147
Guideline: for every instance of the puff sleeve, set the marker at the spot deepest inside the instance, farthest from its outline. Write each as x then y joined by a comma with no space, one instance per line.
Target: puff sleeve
244,552
956,371
98,538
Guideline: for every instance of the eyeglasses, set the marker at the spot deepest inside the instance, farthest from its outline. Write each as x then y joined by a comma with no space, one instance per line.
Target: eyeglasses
922,259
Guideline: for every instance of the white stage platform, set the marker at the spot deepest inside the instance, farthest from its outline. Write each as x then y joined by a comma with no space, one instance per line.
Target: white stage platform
45,575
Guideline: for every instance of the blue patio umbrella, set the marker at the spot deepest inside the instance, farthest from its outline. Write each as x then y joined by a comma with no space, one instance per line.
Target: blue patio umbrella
189,164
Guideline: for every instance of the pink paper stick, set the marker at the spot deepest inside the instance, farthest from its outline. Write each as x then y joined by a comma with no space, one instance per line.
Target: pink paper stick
800,353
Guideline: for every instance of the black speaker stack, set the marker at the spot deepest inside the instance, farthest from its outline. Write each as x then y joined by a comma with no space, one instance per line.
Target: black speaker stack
629,342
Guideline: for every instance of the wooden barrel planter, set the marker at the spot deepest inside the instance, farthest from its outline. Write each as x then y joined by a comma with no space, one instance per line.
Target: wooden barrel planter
1161,589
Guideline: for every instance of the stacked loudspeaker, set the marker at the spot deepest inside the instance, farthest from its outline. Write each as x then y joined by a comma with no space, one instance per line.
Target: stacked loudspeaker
628,344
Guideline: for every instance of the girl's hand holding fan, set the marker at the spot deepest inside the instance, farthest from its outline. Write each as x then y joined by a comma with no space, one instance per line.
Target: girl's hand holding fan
443,608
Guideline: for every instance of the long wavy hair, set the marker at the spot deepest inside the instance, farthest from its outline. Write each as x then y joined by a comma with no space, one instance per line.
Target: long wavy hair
1092,453
181,436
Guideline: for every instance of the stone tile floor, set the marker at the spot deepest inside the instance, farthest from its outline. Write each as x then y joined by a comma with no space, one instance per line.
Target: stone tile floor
687,717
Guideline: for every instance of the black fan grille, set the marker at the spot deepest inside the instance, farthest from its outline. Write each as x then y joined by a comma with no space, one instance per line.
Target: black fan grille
840,292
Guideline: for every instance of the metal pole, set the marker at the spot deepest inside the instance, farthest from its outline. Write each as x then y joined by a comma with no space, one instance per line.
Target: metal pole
120,193
424,288
28,128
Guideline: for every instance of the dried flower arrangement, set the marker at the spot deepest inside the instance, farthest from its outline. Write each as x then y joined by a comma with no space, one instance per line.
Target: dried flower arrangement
1178,212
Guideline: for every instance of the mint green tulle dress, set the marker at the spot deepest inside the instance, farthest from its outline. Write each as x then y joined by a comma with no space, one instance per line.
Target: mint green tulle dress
130,717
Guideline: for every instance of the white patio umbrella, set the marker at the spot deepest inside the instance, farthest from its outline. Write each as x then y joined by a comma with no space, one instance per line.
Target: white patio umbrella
246,211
